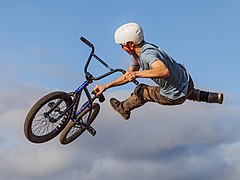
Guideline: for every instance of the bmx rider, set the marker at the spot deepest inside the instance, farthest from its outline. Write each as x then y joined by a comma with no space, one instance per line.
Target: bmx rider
174,83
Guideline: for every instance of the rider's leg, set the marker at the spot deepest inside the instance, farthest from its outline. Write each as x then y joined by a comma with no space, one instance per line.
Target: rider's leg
144,93
139,97
205,96
135,100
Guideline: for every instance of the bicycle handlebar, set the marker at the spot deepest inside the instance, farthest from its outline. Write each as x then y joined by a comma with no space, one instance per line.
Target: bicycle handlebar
102,62
86,42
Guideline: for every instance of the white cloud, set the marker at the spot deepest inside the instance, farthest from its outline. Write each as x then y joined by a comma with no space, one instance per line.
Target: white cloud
179,142
27,160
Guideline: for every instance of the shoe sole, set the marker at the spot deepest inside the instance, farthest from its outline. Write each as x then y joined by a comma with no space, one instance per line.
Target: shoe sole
220,98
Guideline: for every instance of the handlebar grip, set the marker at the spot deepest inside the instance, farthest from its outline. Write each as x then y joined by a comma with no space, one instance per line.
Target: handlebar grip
134,81
100,97
86,42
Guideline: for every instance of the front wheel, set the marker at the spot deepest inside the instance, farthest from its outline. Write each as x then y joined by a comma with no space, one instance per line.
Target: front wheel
47,118
74,129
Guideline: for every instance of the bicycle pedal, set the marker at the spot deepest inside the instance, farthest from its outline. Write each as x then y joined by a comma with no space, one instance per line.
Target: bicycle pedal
91,130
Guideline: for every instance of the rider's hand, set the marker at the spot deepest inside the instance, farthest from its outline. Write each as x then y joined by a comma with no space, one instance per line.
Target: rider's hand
99,89
130,76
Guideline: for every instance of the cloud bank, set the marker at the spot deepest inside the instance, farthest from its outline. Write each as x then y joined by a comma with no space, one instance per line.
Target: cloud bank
191,141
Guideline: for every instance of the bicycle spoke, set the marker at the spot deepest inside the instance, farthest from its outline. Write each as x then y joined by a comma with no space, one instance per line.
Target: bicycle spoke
78,126
42,125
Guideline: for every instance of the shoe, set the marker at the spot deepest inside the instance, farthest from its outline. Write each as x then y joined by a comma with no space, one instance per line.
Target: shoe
220,98
215,98
117,106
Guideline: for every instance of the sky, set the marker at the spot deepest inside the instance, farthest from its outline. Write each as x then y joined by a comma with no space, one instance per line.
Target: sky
40,52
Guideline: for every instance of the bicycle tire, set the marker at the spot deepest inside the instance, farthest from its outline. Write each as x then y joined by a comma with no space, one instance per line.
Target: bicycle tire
72,131
40,129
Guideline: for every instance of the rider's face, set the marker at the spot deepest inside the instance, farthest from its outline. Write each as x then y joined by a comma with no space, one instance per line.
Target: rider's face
129,48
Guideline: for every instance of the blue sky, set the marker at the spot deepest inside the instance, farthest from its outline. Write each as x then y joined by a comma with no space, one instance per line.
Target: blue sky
201,35
40,52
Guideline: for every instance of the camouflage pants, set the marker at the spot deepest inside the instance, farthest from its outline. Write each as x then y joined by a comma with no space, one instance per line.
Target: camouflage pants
144,93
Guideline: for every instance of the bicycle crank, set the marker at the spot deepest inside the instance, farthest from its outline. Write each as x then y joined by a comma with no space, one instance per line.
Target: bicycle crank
91,130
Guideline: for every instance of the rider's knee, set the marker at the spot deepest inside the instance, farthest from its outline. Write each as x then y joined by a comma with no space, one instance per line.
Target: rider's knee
139,91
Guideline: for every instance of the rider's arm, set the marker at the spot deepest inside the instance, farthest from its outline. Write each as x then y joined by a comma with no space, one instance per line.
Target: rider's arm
99,89
123,79
118,82
158,70
134,68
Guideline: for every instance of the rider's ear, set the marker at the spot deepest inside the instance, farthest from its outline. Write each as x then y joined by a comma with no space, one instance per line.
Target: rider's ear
132,45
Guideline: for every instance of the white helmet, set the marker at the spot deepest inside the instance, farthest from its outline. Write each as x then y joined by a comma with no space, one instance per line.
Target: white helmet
129,32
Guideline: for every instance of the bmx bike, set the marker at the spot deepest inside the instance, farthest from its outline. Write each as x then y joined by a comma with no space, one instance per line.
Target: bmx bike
59,111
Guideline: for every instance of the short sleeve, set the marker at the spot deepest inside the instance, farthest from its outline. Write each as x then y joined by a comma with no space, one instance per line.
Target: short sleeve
149,56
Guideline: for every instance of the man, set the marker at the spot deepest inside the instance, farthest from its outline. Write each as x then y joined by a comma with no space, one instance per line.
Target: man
174,84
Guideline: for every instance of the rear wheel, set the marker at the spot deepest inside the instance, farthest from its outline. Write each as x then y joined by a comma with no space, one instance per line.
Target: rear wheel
46,120
74,129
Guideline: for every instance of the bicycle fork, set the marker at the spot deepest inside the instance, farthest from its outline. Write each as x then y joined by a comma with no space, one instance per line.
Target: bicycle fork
89,128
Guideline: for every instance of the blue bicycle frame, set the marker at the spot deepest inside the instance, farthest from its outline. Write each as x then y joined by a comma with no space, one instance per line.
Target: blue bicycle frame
89,79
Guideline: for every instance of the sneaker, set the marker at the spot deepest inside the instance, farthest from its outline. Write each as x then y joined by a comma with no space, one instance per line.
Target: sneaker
215,98
117,106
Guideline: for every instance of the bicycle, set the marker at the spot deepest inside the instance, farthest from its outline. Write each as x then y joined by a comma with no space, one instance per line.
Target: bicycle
59,111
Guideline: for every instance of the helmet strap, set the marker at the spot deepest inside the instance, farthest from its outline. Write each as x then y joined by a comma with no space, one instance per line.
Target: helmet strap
135,56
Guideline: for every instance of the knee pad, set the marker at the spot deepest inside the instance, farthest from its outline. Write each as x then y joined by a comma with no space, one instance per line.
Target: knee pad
204,96
139,90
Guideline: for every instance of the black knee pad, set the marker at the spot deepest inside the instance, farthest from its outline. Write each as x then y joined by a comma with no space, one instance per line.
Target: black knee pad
139,90
204,96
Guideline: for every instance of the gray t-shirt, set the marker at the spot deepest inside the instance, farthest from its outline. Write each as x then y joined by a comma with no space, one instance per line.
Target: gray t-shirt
175,86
